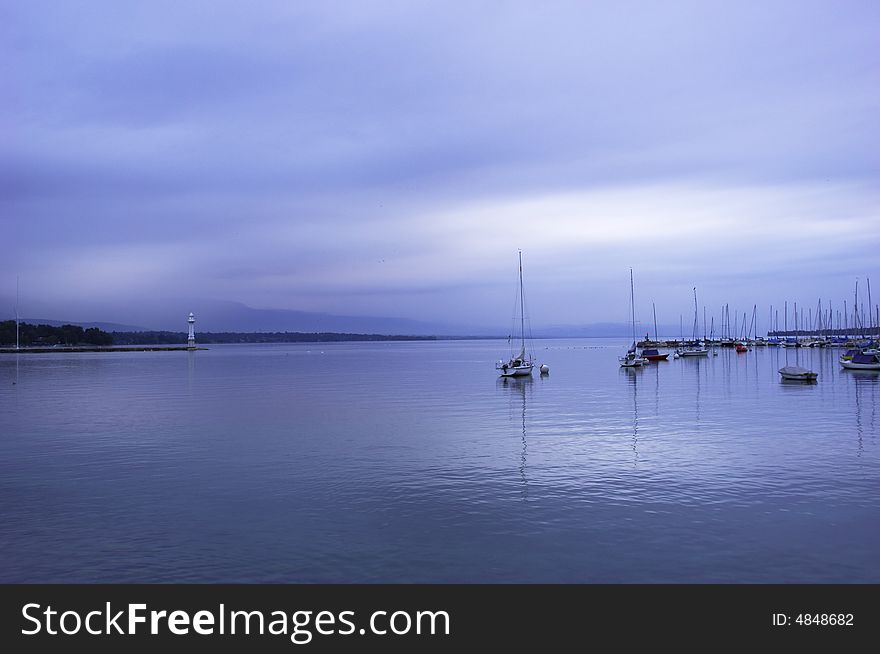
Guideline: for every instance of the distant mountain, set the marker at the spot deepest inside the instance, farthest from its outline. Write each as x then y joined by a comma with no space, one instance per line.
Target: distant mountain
215,316
603,329
225,316
169,314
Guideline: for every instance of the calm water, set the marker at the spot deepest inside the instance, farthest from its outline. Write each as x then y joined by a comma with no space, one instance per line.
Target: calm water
412,462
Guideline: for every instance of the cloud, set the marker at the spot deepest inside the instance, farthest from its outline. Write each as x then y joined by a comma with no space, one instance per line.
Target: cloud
391,157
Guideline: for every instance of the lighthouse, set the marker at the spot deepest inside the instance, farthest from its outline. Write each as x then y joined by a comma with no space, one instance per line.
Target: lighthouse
191,338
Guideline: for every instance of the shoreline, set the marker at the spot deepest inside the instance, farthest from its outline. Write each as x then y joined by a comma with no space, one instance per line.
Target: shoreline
98,348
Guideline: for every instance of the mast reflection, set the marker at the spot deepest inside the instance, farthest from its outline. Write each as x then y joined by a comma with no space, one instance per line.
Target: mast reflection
632,377
517,387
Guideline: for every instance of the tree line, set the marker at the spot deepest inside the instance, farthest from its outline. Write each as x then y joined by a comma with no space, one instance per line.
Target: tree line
71,335
47,335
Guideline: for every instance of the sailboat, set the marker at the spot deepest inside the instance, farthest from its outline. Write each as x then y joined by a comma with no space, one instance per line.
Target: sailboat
653,354
519,365
861,361
697,349
631,359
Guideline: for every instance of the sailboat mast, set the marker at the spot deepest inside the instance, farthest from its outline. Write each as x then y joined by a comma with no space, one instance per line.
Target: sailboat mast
522,308
632,303
830,326
654,309
727,309
695,313
16,310
704,322
856,307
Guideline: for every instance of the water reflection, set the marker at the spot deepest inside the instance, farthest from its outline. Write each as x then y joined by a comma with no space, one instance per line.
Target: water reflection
866,382
656,371
190,369
797,383
517,387
696,368
632,377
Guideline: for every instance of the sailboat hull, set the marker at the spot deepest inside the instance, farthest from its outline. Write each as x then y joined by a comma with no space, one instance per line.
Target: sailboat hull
515,371
850,365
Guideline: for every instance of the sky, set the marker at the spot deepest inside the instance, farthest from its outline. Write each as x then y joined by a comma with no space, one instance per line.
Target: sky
390,158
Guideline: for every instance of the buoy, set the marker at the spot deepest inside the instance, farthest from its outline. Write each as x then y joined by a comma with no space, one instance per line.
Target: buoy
545,369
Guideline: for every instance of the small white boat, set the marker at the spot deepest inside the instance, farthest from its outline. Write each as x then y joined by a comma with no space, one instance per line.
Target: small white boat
796,373
694,351
862,362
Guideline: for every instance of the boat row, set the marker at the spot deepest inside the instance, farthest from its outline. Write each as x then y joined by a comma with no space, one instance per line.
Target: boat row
520,363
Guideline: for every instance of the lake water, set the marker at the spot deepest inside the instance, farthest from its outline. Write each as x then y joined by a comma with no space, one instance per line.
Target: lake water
413,462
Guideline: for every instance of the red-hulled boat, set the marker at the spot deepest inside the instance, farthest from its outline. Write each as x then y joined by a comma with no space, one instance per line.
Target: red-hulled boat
741,348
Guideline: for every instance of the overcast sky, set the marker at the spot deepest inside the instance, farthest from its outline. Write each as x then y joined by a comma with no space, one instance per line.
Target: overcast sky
389,158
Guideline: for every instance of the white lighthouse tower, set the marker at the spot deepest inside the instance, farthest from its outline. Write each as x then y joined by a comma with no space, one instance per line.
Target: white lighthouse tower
191,338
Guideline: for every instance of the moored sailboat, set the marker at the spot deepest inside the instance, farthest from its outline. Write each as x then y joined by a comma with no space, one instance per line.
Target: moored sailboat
521,364
695,348
652,353
631,359
861,361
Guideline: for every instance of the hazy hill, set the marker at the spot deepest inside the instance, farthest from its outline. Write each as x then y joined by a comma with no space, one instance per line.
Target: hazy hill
224,316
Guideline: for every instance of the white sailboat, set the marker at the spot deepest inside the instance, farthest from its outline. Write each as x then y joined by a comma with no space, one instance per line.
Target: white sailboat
631,359
698,349
861,361
521,364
